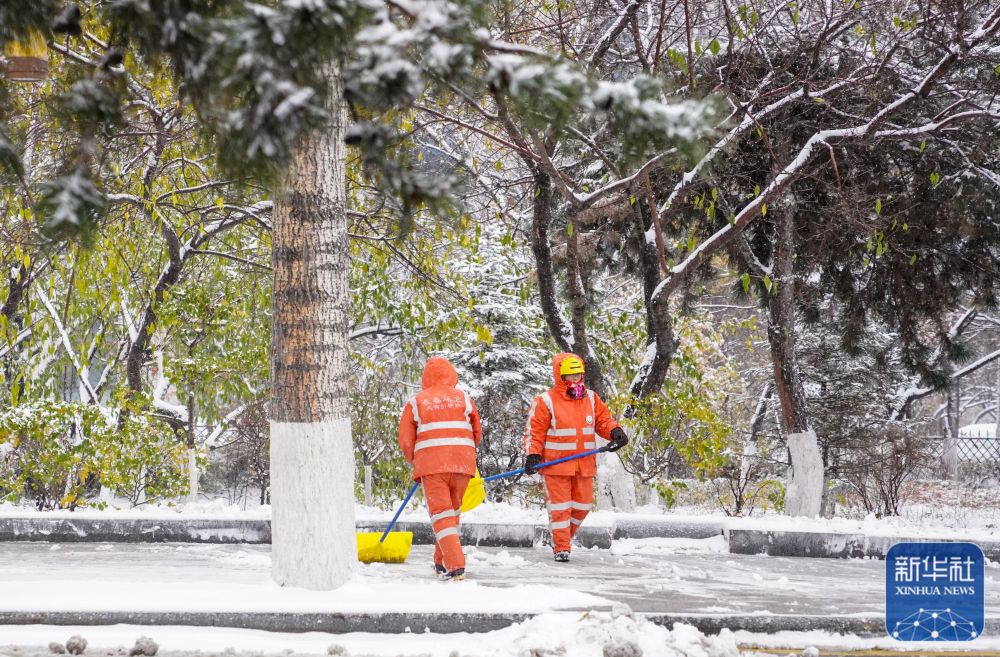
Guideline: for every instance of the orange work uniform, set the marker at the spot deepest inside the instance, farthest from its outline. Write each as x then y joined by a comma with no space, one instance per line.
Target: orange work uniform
438,434
560,426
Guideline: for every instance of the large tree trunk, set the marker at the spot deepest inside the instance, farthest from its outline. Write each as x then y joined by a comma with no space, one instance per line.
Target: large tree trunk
312,459
577,293
805,492
661,344
541,219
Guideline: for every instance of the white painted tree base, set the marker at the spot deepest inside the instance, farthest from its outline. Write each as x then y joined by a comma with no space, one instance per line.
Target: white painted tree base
615,486
804,495
192,475
313,543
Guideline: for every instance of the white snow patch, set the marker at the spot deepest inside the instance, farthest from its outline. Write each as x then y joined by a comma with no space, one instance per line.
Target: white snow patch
627,546
477,559
588,635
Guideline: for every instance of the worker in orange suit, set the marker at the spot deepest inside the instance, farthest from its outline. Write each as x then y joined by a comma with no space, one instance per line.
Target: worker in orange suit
438,434
562,421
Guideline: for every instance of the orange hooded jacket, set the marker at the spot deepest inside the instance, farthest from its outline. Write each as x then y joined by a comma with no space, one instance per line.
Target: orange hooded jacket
559,426
439,428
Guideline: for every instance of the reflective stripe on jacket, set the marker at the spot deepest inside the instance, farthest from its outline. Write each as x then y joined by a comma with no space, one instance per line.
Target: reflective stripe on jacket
439,428
559,426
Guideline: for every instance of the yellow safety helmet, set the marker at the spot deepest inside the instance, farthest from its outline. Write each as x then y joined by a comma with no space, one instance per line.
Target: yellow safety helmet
571,365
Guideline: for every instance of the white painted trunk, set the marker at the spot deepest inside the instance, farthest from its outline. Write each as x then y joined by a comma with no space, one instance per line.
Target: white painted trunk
192,474
615,486
804,495
949,457
312,519
748,457
368,485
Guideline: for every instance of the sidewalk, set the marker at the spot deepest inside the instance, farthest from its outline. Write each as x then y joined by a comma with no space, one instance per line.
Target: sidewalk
694,581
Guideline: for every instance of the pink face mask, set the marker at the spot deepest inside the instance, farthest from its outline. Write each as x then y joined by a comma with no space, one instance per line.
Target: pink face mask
576,390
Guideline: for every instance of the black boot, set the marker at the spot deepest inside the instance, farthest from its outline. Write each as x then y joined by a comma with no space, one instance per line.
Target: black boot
562,556
456,575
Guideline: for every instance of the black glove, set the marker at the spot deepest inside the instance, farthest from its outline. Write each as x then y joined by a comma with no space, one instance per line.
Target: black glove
618,439
531,463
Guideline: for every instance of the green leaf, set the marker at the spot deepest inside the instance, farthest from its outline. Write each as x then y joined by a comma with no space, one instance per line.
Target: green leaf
483,335
756,190
935,179
745,279
913,259
498,165
569,229
715,47
768,283
763,210
631,199
878,206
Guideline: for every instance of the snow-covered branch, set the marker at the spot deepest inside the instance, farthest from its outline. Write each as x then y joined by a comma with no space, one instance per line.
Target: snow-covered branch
791,170
81,371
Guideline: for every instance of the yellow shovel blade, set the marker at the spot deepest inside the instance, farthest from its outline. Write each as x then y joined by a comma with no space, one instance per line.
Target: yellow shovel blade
475,493
394,549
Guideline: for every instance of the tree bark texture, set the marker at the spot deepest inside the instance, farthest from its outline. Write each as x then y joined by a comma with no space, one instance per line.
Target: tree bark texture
312,459
541,249
659,327
781,330
578,312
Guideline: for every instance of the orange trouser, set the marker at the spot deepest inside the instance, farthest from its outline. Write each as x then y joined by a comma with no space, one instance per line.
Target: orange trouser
569,501
444,502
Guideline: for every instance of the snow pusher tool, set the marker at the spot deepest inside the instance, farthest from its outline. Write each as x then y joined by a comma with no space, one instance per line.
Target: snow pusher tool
387,548
589,452
476,492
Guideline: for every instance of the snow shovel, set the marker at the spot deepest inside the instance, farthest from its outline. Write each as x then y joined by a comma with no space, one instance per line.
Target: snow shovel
475,493
373,548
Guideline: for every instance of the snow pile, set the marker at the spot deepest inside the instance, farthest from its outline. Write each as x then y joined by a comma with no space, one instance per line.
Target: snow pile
597,634
628,546
590,635
476,558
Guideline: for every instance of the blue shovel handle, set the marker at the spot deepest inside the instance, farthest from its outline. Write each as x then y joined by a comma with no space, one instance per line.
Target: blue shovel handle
413,489
590,452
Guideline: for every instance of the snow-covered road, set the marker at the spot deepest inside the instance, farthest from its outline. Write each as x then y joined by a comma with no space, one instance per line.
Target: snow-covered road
650,575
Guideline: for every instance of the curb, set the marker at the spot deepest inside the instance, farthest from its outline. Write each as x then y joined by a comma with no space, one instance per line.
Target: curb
134,530
829,545
402,622
139,530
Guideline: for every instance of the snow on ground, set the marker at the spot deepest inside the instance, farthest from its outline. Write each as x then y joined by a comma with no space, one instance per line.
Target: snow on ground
626,546
594,634
781,642
243,584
